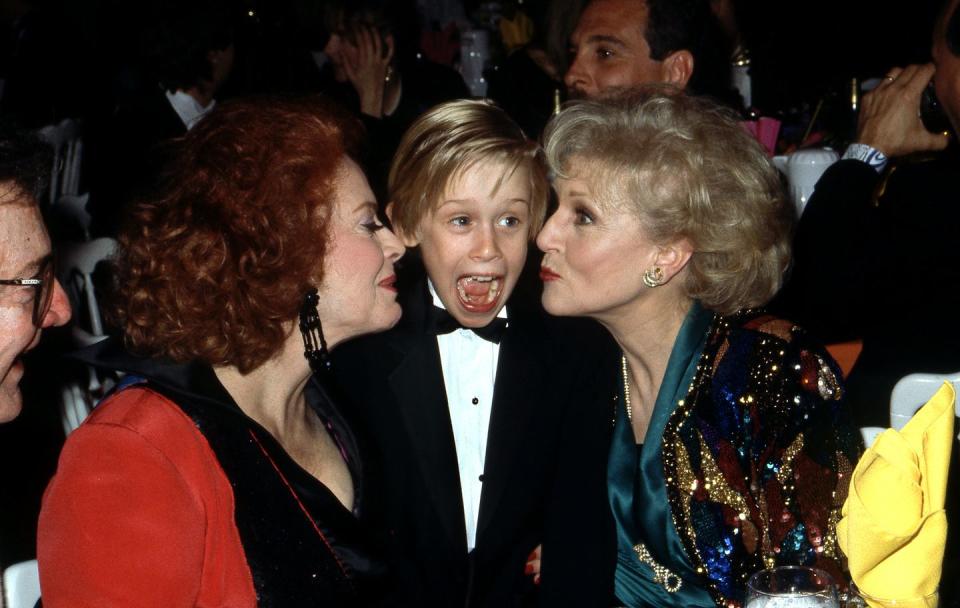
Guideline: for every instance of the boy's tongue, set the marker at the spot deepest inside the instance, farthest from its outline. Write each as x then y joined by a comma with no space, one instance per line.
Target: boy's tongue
478,292
477,289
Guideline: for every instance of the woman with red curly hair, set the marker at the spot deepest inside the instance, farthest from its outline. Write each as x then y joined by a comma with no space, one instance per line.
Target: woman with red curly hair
221,473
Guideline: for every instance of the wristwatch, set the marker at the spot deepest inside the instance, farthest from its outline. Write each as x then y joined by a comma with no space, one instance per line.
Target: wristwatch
867,154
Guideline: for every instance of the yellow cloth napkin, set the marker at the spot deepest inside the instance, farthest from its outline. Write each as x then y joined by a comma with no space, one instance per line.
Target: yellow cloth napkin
894,528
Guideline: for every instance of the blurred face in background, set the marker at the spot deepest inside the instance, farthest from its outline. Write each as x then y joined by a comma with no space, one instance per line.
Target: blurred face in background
347,34
336,50
609,49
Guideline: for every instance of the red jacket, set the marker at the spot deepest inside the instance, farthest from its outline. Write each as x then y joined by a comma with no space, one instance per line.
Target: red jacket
140,513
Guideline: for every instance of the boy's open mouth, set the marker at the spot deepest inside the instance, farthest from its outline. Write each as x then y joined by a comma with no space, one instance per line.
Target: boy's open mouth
479,293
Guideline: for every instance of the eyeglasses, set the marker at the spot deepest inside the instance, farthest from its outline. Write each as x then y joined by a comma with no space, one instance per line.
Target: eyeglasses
43,284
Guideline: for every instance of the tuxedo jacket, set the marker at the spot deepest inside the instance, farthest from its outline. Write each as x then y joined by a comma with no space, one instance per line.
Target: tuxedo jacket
544,477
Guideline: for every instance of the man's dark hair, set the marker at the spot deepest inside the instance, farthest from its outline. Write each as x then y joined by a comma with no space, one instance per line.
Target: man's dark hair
181,35
24,160
674,25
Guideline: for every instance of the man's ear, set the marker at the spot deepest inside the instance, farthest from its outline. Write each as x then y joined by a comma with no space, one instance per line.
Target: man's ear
408,240
678,68
673,258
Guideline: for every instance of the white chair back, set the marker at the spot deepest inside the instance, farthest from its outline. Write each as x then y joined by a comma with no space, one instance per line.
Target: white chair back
71,210
21,585
67,143
870,434
912,391
77,264
76,402
909,394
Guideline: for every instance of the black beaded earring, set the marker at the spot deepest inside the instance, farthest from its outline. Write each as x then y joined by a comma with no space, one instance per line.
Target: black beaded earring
314,346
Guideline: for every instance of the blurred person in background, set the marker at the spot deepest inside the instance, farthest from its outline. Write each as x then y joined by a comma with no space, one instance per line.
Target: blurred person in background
619,44
378,71
186,55
875,250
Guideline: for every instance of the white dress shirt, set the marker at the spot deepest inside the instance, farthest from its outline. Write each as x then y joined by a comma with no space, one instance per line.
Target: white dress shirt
469,371
188,109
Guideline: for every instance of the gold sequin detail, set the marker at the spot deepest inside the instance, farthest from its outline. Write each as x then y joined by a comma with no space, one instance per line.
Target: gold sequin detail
785,474
716,485
844,474
686,483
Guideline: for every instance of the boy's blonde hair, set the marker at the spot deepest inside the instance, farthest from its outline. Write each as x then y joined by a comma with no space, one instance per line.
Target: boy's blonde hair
446,141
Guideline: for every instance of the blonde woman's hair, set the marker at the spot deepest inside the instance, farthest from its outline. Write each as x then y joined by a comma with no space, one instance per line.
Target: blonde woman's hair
451,138
688,170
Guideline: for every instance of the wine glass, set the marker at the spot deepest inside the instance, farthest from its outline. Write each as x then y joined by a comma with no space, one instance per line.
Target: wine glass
791,587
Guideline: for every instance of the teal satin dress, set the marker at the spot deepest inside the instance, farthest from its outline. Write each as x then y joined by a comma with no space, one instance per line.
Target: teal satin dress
638,493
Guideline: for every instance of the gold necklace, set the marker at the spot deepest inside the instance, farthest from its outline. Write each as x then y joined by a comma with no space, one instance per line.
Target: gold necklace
626,386
662,575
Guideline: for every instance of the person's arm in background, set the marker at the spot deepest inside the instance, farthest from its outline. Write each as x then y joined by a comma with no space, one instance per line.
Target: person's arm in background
837,233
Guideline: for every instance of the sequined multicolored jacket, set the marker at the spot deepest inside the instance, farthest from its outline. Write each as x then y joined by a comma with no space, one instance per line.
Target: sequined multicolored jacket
758,456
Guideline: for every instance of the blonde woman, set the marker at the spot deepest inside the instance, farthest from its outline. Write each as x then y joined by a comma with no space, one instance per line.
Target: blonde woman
730,437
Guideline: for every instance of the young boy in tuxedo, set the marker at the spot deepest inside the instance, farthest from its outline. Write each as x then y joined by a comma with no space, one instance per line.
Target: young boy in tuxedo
491,419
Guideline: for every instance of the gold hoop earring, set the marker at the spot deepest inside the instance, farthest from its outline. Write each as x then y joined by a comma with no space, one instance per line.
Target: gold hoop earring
653,277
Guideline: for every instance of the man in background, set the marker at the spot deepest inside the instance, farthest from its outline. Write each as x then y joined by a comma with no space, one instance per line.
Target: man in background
185,58
624,43
875,253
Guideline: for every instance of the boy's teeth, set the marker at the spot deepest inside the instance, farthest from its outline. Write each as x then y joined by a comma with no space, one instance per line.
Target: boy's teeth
494,290
484,295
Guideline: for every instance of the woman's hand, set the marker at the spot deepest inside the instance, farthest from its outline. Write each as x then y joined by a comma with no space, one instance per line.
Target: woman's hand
366,61
533,564
890,117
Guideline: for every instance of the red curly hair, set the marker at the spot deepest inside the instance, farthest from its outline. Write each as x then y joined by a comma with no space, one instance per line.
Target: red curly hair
214,264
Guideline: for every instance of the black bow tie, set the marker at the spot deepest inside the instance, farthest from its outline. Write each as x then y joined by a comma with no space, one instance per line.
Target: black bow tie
442,322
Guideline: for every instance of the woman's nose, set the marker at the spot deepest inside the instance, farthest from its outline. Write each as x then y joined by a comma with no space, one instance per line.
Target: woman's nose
546,239
393,248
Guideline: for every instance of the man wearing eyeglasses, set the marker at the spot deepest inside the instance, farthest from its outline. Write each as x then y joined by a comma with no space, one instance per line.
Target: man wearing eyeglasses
30,296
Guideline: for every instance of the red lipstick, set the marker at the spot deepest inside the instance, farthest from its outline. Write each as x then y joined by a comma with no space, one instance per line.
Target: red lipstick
548,275
389,283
